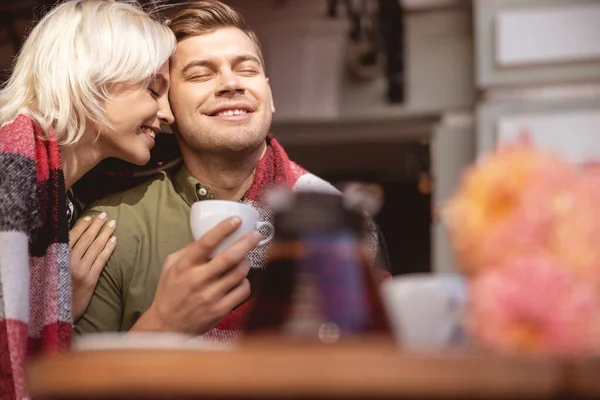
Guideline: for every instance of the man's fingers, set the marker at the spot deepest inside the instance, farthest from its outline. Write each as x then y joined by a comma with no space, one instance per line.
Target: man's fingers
86,239
199,251
172,258
78,229
235,253
232,278
236,296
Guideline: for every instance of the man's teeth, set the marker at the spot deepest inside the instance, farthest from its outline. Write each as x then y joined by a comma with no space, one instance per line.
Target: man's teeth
231,113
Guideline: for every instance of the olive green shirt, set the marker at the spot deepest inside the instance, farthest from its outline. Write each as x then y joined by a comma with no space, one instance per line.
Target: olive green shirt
153,221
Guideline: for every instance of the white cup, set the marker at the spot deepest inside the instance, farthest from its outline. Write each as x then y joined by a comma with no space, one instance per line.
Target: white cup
207,214
426,311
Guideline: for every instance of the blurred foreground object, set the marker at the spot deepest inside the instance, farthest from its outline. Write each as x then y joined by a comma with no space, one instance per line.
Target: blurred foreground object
366,197
318,284
525,228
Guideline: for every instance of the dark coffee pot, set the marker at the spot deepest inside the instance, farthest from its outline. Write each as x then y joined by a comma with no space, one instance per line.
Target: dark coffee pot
318,283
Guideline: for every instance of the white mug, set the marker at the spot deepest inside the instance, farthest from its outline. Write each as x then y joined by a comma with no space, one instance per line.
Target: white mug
206,214
426,311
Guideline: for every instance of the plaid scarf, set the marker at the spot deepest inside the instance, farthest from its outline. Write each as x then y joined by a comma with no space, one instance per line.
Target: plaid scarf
35,274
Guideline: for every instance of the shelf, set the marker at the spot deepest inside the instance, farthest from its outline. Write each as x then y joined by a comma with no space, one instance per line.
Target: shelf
357,129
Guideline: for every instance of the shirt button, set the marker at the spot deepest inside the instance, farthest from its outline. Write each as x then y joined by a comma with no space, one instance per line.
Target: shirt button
202,192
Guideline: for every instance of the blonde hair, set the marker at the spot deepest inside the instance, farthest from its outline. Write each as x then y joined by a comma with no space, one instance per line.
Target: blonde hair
75,55
206,16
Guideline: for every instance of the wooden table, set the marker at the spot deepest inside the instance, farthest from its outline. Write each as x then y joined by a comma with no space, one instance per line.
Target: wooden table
366,370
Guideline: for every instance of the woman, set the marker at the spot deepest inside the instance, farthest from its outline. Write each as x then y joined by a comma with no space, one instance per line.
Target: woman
90,82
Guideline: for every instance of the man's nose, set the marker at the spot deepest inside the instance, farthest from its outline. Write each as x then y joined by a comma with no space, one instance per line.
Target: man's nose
230,83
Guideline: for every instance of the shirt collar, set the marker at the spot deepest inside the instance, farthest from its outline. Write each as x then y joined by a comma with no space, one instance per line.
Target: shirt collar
190,189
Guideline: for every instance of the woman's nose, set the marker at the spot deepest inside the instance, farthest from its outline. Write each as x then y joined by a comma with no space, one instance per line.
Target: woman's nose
165,115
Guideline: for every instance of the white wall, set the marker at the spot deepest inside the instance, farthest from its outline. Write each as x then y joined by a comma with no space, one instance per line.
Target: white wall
305,59
452,150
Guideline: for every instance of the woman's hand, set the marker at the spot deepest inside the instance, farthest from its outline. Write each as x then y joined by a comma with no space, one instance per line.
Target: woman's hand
90,250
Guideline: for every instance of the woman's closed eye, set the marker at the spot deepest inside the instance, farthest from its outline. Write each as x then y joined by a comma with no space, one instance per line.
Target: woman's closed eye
155,87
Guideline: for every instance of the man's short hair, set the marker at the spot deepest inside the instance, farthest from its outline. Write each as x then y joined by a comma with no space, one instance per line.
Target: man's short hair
205,16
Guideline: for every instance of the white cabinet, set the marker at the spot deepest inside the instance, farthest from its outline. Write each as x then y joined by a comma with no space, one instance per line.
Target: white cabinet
575,134
536,42
568,126
555,34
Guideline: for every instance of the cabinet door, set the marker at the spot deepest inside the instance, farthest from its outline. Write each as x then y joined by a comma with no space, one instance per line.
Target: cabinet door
533,42
568,127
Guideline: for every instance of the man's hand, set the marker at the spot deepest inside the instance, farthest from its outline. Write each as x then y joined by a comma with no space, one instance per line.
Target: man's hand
195,293
90,250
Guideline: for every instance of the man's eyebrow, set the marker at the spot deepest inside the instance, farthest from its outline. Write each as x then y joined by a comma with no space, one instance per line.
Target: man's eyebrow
196,63
236,60
246,57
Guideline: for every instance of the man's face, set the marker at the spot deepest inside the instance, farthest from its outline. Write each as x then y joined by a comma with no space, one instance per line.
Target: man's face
220,96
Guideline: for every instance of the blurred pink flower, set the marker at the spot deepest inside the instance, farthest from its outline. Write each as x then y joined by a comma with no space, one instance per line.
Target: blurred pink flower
533,305
567,211
525,226
488,220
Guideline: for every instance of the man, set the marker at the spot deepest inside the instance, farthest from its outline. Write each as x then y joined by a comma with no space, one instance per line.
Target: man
158,278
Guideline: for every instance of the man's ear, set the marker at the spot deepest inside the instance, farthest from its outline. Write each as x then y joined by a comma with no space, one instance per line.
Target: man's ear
271,94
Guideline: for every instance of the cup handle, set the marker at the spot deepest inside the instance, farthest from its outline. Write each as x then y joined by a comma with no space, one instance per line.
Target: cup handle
270,235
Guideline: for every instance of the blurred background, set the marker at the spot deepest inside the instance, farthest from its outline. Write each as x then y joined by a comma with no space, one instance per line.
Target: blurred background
406,93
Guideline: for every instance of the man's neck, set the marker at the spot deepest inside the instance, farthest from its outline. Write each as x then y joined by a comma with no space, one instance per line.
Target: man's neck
228,177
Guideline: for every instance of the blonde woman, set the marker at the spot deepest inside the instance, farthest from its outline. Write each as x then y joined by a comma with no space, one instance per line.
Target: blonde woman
90,82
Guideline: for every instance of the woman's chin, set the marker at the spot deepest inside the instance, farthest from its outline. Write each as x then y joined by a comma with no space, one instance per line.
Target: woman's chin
140,159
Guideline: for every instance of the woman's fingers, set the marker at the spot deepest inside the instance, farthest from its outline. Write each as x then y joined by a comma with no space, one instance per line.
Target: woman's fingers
80,227
98,244
84,241
102,258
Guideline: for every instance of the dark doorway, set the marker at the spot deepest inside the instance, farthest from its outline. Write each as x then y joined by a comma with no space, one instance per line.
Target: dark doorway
402,171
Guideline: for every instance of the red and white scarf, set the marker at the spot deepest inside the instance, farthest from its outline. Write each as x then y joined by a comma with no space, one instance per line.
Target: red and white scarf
35,273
